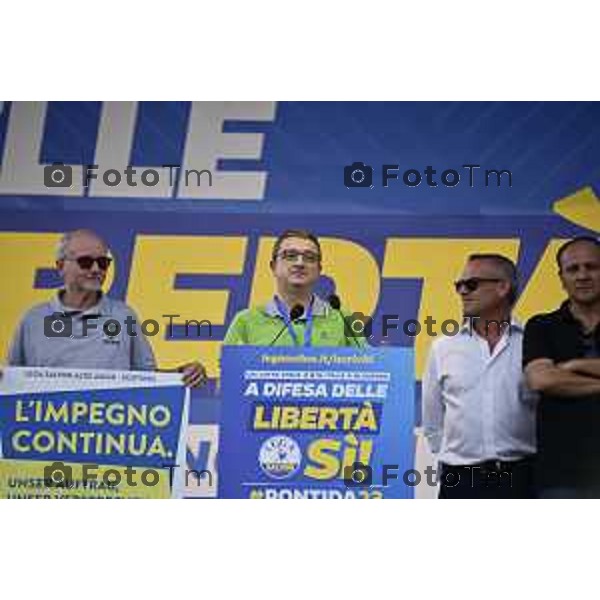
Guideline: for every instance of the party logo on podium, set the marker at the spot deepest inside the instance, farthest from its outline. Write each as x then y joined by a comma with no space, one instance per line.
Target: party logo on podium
279,456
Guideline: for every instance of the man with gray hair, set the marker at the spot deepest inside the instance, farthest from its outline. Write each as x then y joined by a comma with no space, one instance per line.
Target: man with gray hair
477,415
78,327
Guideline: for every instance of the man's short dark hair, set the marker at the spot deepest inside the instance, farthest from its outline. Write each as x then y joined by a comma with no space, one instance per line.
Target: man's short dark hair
576,240
508,268
294,233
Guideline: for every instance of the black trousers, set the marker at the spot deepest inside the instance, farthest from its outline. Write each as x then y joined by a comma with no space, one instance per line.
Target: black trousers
490,479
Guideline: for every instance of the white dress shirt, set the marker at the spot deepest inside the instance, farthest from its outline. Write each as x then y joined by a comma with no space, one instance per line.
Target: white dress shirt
476,406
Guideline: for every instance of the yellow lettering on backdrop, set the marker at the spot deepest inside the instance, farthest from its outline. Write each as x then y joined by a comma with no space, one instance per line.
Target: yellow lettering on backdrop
158,259
21,254
156,262
438,262
352,267
581,208
544,292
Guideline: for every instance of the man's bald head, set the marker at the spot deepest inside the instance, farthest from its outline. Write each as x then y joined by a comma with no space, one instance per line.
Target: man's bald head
78,235
77,260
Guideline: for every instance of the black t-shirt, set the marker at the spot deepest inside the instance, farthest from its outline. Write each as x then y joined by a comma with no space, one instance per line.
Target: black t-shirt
568,428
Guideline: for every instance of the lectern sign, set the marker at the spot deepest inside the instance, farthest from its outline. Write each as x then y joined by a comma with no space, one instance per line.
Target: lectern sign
316,423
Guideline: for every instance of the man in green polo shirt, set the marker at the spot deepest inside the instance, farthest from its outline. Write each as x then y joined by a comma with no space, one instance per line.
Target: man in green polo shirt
296,266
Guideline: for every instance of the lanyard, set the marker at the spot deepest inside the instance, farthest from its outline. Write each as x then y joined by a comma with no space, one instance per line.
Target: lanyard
309,322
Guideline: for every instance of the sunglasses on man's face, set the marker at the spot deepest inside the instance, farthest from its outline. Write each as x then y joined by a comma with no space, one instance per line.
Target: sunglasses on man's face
473,283
86,262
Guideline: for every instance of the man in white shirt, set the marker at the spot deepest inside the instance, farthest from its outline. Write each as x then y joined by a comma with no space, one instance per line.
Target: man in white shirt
477,414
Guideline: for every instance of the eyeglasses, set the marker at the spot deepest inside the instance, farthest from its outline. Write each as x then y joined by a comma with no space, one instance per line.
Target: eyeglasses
473,283
86,262
292,256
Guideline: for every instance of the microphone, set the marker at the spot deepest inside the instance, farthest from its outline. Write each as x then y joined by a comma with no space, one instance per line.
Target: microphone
336,304
296,312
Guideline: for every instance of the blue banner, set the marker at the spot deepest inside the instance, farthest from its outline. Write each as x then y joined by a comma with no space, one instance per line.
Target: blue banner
282,157
399,192
320,423
92,434
137,427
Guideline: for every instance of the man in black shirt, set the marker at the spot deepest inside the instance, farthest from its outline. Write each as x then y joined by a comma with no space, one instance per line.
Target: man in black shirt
561,356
